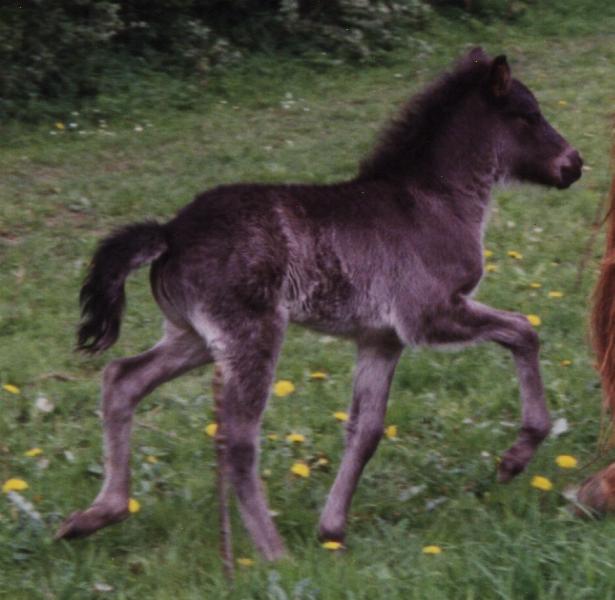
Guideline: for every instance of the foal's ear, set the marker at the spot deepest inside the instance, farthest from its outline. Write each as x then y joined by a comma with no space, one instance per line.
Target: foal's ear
477,54
499,77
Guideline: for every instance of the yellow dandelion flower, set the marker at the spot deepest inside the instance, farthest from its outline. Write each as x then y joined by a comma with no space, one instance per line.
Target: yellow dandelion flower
318,375
211,429
555,294
244,561
535,285
59,125
562,102
432,549
33,452
283,388
322,461
566,362
151,459
134,506
491,268
487,253
565,461
340,415
300,470
391,432
541,483
273,437
514,254
10,388
14,485
295,438
534,320
332,545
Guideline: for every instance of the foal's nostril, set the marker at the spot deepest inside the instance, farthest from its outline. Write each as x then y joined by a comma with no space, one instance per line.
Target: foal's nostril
571,169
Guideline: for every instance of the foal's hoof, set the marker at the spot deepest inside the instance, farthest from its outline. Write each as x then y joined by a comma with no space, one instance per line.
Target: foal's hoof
509,468
85,522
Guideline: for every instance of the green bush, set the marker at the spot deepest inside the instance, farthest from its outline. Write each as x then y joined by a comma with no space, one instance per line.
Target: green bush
52,50
61,50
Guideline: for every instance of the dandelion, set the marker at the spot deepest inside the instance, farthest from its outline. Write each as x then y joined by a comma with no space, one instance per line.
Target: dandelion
340,415
562,102
535,285
134,506
295,438
33,452
60,126
14,485
566,362
322,461
487,253
541,483
283,388
300,470
318,375
514,254
491,268
391,432
211,429
10,388
565,461
151,459
534,320
243,561
332,545
432,549
555,294
273,437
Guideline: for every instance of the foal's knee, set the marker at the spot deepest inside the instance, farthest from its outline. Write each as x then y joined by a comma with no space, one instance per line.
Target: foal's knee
368,437
525,340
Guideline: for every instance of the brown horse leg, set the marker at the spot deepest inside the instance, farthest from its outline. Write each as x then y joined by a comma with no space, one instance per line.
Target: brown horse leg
247,353
375,367
469,322
125,383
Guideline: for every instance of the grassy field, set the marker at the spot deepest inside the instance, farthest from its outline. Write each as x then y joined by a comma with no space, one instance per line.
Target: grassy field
62,187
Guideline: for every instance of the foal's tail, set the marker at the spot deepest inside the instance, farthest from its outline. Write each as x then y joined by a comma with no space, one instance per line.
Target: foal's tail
102,295
603,314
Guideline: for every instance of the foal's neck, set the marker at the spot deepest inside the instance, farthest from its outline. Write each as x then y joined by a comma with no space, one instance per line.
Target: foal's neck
463,170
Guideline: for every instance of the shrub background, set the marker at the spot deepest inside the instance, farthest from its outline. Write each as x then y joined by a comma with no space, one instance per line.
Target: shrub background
56,54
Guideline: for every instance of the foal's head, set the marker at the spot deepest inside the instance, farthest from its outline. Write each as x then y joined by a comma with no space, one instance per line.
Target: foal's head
528,148
474,112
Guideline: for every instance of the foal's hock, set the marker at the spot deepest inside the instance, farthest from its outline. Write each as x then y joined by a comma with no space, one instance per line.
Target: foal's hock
389,258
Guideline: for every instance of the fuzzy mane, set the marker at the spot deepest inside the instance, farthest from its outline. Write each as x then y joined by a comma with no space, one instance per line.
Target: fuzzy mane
603,314
404,145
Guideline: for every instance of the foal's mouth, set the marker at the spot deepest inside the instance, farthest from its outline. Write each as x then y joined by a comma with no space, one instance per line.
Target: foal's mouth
570,169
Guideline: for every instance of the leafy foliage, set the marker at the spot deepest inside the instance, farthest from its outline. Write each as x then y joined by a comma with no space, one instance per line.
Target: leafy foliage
60,51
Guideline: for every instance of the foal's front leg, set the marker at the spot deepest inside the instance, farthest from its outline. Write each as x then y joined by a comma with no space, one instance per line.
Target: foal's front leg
468,321
125,383
372,380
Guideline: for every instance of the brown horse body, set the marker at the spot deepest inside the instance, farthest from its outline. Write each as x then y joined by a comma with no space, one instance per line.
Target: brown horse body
388,259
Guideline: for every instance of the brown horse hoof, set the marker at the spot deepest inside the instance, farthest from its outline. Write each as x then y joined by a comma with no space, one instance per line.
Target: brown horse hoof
597,493
509,468
83,523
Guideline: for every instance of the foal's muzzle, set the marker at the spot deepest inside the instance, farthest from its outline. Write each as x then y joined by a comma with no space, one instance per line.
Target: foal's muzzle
570,169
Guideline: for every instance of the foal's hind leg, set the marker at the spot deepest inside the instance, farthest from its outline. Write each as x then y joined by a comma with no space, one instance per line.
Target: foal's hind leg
469,321
247,353
372,380
125,383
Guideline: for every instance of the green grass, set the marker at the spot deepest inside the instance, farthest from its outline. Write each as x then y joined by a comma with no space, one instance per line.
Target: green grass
284,122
